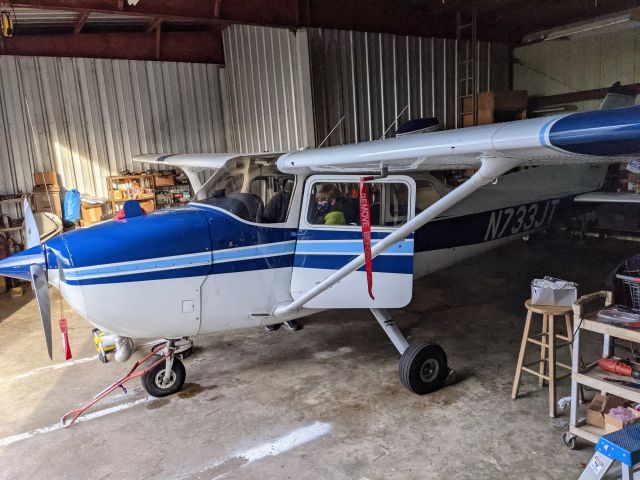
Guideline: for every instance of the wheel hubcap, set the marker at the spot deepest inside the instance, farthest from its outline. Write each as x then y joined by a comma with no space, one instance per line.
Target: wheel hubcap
429,370
163,381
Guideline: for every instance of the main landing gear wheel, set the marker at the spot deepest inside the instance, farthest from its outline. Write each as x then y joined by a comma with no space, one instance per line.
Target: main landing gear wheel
423,367
157,384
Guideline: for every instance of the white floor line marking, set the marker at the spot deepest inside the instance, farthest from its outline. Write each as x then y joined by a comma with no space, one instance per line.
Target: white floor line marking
291,440
55,366
56,426
283,444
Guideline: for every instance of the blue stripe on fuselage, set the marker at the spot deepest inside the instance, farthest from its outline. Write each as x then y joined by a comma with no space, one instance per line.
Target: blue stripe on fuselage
349,247
142,277
273,246
381,263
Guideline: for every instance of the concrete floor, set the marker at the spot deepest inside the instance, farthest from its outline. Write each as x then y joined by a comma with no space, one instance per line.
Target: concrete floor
324,402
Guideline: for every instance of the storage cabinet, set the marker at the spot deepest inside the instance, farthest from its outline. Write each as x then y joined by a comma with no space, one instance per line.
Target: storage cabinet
494,107
171,190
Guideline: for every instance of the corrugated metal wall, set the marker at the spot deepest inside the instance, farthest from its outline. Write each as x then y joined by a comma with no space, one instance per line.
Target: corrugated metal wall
269,88
554,67
370,78
86,118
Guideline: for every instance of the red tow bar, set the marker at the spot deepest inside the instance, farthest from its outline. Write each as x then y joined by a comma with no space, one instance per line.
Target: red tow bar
69,418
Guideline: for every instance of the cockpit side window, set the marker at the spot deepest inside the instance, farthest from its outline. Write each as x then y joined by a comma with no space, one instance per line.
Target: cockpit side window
338,203
275,191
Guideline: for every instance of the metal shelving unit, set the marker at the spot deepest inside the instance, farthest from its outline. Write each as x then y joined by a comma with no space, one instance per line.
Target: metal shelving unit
17,204
589,375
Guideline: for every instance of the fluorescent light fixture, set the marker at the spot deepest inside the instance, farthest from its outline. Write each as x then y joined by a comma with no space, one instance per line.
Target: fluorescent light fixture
606,24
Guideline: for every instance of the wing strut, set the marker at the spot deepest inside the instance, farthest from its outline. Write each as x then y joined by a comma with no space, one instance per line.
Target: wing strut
491,168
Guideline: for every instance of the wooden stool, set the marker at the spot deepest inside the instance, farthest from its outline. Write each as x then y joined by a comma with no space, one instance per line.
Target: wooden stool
547,342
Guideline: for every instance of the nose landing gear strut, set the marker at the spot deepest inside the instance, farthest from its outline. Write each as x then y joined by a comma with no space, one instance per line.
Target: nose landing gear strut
161,371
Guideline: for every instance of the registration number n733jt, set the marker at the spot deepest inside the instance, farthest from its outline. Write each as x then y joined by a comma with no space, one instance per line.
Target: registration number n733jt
515,220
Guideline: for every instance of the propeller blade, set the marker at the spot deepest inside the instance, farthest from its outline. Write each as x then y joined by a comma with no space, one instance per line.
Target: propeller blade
41,289
33,236
28,265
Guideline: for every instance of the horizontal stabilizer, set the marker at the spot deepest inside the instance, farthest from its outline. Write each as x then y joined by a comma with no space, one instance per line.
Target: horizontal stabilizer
608,197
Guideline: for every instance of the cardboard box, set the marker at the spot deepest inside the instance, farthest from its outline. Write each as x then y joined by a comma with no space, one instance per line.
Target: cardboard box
148,205
600,405
613,424
165,180
90,213
45,178
553,291
17,292
47,199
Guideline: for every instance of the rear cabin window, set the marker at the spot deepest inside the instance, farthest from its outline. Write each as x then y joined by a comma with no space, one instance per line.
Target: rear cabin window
426,195
337,203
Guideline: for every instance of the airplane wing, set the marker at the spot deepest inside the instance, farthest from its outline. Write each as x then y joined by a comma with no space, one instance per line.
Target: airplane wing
603,136
600,136
195,163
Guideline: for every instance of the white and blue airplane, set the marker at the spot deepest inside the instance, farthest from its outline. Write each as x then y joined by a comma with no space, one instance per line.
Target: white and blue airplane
273,237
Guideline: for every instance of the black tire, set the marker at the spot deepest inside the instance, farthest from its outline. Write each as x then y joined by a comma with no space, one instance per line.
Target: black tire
151,381
103,357
423,367
569,440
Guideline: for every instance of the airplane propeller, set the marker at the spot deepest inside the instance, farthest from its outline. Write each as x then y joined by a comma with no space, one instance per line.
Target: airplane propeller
38,273
41,289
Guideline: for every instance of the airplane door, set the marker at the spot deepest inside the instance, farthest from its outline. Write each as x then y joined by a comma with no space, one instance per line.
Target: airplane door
330,236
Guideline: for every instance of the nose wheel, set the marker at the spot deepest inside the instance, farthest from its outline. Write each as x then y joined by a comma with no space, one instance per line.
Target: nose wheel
165,378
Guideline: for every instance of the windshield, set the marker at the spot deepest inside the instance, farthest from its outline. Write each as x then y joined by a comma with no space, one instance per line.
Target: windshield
252,189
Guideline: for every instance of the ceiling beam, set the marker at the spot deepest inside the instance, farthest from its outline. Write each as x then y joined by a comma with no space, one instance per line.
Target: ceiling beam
169,10
498,20
82,18
197,47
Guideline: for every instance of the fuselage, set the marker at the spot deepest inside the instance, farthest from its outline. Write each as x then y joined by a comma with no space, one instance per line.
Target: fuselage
224,263
200,269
